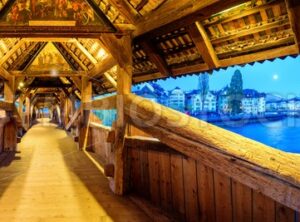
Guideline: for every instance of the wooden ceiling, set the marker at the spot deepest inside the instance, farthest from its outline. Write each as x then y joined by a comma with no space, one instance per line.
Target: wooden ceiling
170,38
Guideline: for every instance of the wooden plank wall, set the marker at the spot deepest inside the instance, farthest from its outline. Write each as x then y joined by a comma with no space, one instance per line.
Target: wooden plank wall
192,191
98,142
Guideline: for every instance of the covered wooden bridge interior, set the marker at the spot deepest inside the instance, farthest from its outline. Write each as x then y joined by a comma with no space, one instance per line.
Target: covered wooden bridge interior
166,166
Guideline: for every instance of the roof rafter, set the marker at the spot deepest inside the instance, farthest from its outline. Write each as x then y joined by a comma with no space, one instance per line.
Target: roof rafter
177,20
155,57
126,10
85,51
118,48
72,55
110,79
107,63
203,44
26,59
279,22
185,10
4,74
11,51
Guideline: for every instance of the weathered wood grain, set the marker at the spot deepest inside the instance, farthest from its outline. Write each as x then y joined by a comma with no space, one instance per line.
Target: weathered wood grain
260,167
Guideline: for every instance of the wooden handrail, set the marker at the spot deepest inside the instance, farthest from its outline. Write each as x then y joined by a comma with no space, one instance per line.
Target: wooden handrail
99,126
6,106
109,102
105,103
270,171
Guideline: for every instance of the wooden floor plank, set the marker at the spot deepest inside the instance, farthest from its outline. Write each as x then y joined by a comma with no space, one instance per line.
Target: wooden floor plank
50,180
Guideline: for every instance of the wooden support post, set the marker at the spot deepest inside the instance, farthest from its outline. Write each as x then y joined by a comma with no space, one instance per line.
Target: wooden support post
120,174
293,8
20,108
121,50
10,129
9,90
3,122
86,99
27,119
58,112
67,109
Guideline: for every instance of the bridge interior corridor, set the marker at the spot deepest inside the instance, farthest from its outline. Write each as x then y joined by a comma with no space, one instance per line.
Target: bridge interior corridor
49,179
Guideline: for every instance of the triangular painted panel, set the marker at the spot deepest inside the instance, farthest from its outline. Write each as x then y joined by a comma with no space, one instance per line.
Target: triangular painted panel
54,17
49,60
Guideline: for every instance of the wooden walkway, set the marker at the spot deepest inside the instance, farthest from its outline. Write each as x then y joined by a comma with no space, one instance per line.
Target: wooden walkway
50,180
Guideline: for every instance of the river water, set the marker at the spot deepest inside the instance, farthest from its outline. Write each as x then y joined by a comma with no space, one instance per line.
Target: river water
283,134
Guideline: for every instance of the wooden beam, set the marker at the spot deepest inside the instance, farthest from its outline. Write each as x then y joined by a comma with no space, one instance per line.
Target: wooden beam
49,39
27,120
109,102
244,59
45,85
260,56
86,92
170,11
141,5
4,74
155,57
119,49
203,44
86,99
269,171
110,79
77,82
177,14
74,57
27,53
293,8
48,74
74,118
85,52
125,28
11,51
6,106
9,90
107,63
256,29
245,11
201,67
126,10
121,176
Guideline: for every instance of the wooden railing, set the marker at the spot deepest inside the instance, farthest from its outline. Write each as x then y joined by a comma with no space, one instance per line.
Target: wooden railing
99,141
211,170
197,171
8,127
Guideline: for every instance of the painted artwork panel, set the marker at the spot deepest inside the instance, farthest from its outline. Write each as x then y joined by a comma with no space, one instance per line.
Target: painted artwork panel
49,60
56,12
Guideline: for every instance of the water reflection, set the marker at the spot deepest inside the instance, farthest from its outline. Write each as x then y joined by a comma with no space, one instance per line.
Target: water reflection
283,134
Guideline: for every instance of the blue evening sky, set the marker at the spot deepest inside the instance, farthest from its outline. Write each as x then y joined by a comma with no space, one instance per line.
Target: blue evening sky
280,77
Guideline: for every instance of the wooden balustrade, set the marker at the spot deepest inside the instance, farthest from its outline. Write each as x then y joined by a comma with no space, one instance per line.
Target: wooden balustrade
211,167
98,141
200,172
192,191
